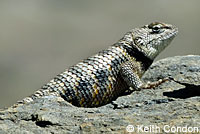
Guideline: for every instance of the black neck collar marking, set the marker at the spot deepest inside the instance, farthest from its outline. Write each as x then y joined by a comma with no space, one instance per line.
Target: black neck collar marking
139,56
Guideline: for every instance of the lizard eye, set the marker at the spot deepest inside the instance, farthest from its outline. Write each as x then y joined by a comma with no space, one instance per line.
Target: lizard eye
156,29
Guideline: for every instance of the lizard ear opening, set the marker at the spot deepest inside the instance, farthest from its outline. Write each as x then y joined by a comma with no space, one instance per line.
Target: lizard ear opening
138,41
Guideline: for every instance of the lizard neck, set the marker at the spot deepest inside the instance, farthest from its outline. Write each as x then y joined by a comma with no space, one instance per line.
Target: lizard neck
139,56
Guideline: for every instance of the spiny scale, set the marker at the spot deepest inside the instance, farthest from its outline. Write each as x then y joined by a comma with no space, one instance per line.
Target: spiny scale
102,78
92,82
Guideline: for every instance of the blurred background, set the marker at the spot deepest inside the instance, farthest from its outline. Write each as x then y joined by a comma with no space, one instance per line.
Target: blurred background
41,38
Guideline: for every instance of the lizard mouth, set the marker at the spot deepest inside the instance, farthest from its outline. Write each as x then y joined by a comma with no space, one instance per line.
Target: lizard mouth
170,35
166,39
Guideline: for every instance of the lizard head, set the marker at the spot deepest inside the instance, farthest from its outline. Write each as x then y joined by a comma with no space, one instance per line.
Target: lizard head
151,39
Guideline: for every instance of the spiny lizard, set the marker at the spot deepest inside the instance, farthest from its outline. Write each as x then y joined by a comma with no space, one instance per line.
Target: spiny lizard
102,78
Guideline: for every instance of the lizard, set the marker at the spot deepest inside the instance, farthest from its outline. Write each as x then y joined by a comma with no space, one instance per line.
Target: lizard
107,75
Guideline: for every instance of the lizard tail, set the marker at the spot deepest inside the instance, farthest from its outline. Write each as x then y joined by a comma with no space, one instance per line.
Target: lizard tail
38,94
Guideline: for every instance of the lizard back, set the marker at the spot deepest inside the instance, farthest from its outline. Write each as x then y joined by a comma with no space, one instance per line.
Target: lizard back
94,81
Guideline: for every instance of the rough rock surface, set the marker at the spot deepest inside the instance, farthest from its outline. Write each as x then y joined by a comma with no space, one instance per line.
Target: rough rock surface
175,103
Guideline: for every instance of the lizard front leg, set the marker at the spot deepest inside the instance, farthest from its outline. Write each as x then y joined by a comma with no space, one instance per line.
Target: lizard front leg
131,72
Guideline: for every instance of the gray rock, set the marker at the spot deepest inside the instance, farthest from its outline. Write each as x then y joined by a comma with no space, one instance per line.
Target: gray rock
175,103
